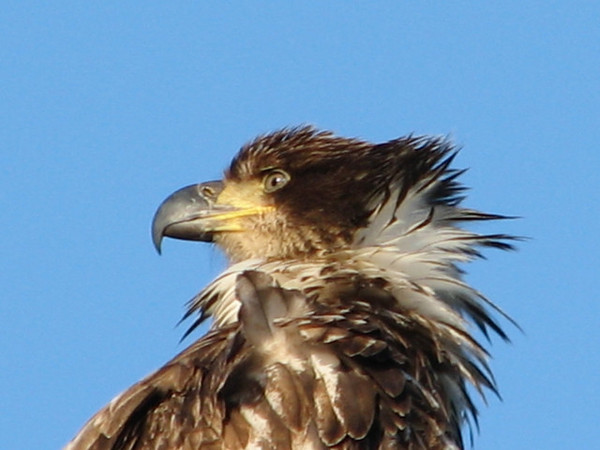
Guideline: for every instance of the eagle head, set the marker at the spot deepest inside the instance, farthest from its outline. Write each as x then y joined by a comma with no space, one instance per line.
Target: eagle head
302,193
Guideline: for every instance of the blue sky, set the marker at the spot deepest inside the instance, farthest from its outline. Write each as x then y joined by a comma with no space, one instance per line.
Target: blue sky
107,108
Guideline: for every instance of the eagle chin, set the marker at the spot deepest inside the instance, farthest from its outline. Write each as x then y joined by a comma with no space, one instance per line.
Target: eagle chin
343,320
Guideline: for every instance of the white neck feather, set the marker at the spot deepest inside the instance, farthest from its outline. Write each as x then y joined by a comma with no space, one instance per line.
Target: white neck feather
411,244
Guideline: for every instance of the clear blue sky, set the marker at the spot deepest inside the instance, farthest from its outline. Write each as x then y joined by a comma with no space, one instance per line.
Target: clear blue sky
107,108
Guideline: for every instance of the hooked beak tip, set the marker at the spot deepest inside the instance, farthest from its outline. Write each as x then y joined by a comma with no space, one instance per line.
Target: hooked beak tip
177,214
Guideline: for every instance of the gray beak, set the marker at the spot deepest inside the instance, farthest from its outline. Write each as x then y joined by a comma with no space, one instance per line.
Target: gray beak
180,215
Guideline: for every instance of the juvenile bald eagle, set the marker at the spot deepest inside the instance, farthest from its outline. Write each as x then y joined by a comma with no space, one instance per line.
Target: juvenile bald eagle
343,320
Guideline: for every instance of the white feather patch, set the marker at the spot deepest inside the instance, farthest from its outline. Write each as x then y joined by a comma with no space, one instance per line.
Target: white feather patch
411,244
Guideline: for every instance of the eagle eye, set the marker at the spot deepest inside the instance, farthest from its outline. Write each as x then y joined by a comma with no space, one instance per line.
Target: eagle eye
275,180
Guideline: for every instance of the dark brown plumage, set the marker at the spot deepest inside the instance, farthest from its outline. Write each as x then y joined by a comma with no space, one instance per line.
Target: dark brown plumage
343,319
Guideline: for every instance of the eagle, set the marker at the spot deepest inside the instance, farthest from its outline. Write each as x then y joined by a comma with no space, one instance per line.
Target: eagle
342,320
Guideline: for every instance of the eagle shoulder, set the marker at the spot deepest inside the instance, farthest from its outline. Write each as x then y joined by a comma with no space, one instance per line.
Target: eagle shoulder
294,371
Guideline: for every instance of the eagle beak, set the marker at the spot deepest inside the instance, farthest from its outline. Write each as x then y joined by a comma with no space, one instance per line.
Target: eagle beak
186,214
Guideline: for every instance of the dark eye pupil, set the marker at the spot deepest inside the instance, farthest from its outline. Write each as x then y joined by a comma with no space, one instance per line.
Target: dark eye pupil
275,180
